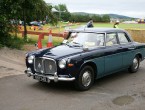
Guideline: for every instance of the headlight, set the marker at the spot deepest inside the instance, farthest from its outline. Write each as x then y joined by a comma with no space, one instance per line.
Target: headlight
30,59
62,63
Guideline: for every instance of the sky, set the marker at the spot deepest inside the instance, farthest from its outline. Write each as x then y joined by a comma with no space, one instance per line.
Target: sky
131,8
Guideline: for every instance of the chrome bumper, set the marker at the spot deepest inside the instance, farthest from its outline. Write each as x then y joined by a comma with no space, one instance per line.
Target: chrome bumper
55,78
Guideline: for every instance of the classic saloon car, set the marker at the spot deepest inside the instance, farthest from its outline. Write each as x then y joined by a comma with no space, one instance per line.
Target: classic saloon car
85,55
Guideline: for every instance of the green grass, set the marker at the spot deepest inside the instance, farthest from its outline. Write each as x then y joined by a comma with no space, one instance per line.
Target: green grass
32,39
11,42
61,28
121,25
57,40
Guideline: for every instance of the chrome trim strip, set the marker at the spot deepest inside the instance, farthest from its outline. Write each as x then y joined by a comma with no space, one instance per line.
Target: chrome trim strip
55,78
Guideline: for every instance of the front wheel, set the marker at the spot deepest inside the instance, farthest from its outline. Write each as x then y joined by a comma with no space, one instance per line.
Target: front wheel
85,78
135,65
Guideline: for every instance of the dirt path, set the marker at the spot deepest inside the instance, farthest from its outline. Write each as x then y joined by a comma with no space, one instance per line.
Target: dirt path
12,62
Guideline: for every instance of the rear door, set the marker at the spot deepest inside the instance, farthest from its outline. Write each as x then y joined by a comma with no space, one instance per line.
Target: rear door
126,48
113,58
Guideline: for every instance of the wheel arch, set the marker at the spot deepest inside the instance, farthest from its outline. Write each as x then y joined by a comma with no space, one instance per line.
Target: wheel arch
139,55
93,65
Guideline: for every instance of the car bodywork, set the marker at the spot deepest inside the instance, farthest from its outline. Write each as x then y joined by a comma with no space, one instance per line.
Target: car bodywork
104,60
35,23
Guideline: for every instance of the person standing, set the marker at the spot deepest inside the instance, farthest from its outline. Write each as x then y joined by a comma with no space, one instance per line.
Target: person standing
116,24
90,24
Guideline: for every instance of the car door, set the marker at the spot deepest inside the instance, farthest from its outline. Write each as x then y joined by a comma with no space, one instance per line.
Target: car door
113,58
126,48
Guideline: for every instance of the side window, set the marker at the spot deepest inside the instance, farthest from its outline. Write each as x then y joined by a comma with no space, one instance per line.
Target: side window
123,39
111,39
95,40
100,39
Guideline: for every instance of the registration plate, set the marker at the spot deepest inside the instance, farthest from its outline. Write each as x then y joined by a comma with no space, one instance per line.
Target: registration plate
41,78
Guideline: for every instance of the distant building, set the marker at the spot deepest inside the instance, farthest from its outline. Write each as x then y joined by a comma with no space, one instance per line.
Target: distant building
130,22
141,20
113,20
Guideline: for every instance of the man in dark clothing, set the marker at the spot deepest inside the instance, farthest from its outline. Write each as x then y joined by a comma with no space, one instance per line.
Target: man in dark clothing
90,24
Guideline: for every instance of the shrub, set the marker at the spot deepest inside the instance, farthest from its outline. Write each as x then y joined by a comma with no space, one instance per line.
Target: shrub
11,42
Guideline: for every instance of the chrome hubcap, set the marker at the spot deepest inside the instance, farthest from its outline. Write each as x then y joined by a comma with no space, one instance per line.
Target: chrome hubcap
86,78
135,63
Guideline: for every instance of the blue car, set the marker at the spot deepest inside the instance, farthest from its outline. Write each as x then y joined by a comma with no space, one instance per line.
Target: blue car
85,55
34,23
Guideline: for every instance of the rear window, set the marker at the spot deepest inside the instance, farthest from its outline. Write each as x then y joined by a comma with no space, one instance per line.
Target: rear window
123,38
111,39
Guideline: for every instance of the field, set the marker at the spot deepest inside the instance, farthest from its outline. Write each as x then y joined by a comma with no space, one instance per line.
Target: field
123,26
137,31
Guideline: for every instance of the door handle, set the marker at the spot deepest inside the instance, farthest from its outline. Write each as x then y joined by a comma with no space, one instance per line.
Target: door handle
131,48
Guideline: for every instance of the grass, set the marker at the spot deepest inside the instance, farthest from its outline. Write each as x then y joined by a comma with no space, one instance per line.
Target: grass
121,25
61,28
11,42
32,39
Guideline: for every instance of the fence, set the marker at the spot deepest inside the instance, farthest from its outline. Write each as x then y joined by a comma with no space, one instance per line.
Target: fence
44,34
137,35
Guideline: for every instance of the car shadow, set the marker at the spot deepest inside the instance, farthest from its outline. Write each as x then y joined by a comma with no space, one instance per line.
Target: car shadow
69,86
112,77
52,86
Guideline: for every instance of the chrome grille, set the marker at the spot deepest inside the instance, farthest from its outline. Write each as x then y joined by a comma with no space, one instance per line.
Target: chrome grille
38,65
45,65
50,66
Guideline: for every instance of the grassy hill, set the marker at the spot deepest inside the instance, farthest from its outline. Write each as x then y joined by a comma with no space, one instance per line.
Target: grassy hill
113,16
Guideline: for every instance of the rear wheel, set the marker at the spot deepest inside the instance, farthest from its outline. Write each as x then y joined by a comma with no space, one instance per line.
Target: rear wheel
85,79
135,65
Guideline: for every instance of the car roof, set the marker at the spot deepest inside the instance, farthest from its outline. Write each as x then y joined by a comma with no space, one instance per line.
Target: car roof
97,30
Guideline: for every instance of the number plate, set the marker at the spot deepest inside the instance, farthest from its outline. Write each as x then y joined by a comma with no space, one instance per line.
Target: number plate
41,78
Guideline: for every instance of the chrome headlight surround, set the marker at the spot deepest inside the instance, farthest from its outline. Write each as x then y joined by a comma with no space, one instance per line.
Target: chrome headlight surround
62,63
30,59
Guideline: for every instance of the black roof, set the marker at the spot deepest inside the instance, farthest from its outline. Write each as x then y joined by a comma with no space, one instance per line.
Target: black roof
97,30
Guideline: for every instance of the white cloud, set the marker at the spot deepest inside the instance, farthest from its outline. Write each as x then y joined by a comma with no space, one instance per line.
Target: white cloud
124,7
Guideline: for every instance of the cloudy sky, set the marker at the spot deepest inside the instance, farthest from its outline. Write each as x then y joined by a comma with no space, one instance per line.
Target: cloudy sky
132,8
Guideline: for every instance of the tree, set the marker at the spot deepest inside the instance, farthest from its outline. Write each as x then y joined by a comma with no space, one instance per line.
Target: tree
26,10
63,13
105,18
96,18
34,10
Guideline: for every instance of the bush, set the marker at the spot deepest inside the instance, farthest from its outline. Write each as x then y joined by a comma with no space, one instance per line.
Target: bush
1,45
11,42
30,41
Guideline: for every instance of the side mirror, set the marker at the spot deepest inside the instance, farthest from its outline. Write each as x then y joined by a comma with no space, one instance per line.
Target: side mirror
85,48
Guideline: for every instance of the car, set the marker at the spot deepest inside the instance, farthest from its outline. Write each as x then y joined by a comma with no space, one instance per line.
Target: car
35,23
85,55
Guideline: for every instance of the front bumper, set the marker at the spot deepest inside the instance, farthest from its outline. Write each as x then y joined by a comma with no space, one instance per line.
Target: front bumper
55,78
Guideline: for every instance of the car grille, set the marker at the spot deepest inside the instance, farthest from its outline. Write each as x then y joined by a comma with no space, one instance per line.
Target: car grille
45,66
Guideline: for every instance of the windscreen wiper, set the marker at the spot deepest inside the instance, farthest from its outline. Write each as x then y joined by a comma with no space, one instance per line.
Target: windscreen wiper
76,44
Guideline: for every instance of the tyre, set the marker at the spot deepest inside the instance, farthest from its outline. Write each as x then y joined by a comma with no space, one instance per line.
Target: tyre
85,78
135,65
